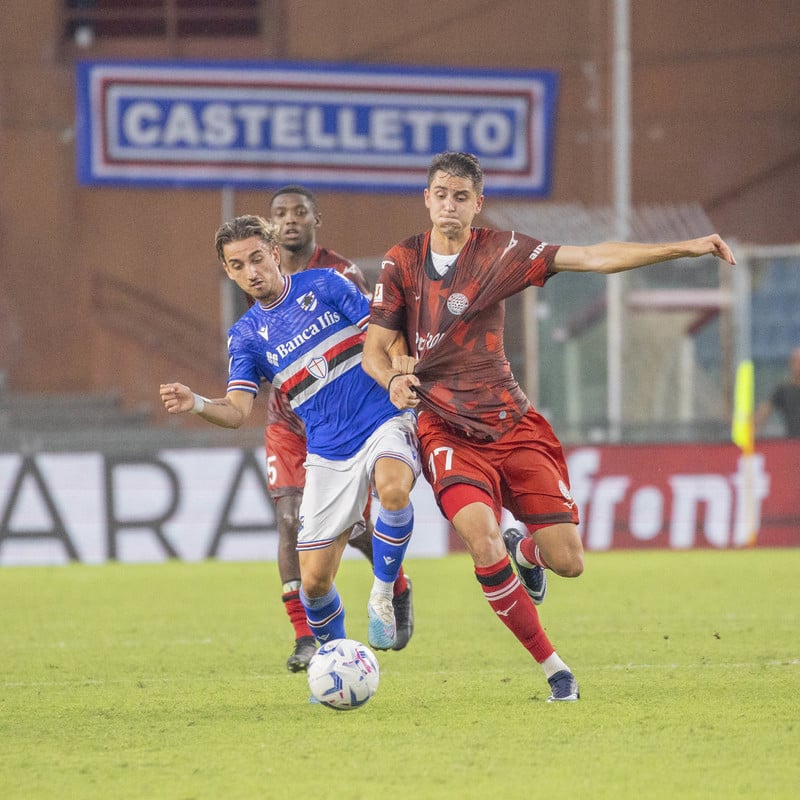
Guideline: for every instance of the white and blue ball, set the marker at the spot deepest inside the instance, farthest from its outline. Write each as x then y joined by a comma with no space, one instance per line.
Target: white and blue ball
343,674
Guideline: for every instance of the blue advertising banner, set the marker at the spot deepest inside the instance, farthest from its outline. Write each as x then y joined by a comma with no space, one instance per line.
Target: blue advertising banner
334,126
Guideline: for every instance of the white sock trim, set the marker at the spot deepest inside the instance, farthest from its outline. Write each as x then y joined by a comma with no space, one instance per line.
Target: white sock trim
522,560
553,664
382,588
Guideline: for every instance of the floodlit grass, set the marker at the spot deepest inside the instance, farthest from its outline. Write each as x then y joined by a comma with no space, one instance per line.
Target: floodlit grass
168,681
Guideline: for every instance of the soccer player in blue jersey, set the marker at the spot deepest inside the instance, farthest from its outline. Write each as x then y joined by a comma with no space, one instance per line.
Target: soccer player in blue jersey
304,335
295,211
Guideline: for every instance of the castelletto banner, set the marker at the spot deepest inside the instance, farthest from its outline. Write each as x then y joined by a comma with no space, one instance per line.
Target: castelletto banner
193,504
338,126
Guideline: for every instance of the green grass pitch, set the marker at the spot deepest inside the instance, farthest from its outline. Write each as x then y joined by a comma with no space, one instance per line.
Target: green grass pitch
168,681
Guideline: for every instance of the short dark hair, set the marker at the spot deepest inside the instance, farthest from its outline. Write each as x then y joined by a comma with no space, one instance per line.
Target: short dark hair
239,228
295,188
462,165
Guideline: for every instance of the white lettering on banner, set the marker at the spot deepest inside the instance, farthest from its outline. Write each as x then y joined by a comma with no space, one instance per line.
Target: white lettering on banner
349,126
723,499
148,124
194,504
139,124
190,504
647,513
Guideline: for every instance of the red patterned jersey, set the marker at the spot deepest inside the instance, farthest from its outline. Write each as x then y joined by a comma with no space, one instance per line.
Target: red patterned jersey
278,407
454,324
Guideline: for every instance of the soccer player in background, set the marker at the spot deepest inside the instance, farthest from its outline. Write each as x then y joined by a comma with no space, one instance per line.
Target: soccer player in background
785,398
483,446
295,211
304,335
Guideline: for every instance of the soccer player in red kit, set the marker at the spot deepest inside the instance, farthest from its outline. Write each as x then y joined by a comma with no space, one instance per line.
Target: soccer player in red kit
294,210
483,446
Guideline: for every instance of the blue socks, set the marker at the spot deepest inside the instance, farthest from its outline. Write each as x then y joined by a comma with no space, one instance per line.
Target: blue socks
325,615
393,529
390,541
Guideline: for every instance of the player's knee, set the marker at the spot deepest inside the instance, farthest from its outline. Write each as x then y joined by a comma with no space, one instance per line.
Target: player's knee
393,497
569,562
562,549
316,585
288,522
287,517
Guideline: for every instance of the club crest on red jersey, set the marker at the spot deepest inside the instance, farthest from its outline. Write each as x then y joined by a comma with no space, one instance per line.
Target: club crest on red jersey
457,304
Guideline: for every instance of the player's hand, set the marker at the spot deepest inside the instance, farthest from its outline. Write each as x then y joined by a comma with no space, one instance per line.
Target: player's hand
404,364
402,391
715,246
176,398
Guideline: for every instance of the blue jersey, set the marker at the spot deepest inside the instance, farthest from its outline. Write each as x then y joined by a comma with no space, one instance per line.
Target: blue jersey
308,344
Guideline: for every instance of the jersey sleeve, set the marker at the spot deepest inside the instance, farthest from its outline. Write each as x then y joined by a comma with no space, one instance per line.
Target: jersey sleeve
341,293
394,296
520,261
243,374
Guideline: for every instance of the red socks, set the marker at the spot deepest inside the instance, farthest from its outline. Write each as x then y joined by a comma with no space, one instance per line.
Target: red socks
530,552
509,600
296,613
400,584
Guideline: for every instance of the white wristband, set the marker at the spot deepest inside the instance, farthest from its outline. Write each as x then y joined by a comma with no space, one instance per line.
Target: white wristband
199,404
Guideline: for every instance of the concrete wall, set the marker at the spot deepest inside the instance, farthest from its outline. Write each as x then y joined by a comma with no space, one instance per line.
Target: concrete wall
716,112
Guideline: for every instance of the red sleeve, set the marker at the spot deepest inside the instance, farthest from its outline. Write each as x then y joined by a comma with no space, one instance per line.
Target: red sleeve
397,293
332,260
508,262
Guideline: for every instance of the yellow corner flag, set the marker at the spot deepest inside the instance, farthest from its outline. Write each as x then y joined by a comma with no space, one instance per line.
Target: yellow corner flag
743,435
742,431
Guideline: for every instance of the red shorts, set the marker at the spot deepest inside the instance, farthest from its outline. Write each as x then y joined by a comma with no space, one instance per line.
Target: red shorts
286,454
524,471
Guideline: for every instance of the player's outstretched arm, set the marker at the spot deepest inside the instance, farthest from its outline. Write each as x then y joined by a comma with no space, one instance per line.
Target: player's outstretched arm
609,257
227,412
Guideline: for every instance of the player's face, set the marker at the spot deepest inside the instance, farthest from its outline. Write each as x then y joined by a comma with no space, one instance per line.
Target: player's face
255,266
794,363
453,204
296,219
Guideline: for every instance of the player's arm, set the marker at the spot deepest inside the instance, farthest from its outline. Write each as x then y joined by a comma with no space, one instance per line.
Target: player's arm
386,360
227,412
609,257
762,413
402,362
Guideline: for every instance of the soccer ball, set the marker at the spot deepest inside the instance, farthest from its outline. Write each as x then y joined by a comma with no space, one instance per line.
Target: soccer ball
343,674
